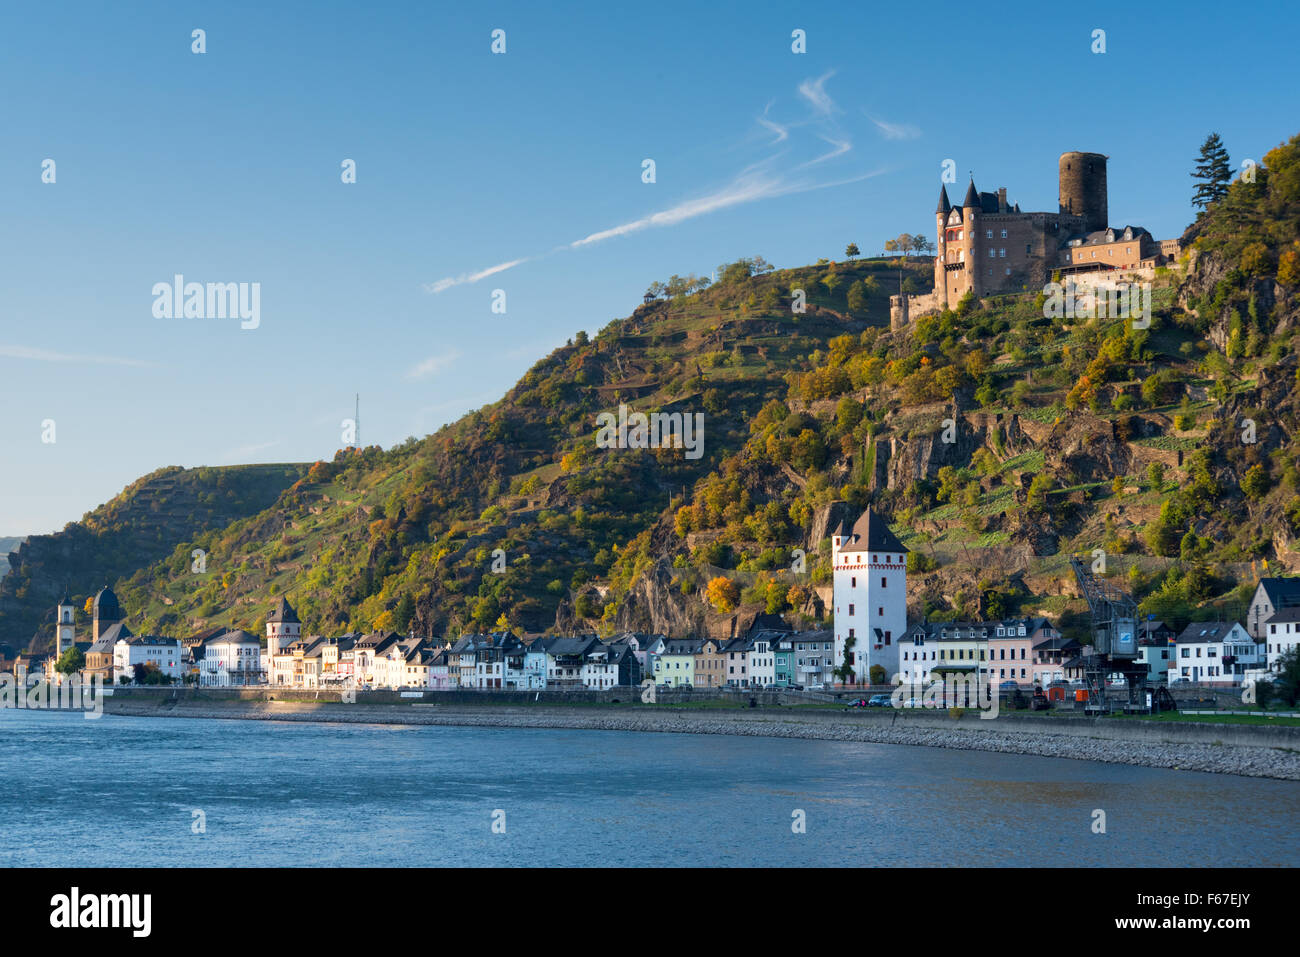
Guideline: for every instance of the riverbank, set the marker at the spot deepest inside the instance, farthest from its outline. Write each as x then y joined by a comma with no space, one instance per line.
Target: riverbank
1269,752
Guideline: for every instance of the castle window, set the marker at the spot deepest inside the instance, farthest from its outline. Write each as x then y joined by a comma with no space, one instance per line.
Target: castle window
1002,253
1028,249
992,253
988,234
1004,234
1008,270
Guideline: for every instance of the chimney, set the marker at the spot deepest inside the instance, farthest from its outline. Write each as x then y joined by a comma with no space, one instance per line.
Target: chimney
1002,199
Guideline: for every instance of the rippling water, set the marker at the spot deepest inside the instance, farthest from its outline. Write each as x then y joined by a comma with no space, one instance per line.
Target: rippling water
123,791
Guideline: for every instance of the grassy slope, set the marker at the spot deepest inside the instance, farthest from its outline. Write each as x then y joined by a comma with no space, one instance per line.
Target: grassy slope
380,539
141,524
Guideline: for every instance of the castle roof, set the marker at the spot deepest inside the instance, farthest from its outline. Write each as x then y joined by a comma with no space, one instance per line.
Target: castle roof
944,206
106,606
283,612
870,533
1110,234
972,200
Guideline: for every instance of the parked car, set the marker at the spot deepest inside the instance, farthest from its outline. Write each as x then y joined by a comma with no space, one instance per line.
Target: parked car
816,687
859,703
878,701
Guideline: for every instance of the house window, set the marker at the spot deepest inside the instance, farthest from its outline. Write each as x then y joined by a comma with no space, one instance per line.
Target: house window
887,637
883,582
1008,272
880,612
850,611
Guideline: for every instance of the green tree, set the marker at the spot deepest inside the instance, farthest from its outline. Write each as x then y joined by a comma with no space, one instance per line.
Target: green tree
1212,173
857,298
1255,483
70,662
851,251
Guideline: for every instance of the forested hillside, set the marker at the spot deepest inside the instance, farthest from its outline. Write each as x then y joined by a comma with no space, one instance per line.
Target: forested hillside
997,441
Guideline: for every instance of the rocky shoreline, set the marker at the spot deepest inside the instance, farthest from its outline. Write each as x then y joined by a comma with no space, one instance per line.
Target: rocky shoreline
1249,761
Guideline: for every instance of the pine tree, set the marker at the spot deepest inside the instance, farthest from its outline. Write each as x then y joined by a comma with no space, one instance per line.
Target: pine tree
1212,173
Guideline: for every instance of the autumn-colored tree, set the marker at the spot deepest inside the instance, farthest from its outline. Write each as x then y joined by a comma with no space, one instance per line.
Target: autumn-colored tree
723,594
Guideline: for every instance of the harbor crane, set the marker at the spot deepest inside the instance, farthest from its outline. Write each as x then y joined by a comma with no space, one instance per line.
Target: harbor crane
1115,646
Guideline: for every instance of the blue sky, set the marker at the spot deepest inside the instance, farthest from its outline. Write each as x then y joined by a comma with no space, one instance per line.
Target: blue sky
225,167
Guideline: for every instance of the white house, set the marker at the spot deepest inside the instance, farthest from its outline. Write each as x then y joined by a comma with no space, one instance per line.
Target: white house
762,661
231,660
1271,595
163,653
869,565
1281,634
1214,652
599,670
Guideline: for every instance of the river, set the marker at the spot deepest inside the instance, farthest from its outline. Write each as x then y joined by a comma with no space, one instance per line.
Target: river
122,791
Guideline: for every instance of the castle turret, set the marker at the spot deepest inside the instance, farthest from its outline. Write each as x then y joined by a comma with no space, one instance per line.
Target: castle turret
970,213
1083,188
941,250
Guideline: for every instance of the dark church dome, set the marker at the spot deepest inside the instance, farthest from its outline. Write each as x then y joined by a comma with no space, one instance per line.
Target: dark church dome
106,607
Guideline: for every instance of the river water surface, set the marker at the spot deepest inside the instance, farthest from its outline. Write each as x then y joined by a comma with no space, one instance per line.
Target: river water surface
134,792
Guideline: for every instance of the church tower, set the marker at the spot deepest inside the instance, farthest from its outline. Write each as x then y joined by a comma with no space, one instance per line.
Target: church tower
869,565
107,613
282,628
65,636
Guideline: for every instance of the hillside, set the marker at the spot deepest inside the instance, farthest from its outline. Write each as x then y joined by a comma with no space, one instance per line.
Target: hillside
1171,448
140,525
405,537
7,545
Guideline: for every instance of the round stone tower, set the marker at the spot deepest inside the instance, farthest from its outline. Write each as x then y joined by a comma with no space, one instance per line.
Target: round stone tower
1083,188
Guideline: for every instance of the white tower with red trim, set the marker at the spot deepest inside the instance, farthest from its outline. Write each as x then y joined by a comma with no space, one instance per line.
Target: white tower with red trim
869,564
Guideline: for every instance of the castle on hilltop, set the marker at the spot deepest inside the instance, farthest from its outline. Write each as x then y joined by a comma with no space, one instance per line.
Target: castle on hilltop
988,246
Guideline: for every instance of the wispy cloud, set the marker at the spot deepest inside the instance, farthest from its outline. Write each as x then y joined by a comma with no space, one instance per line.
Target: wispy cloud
46,355
745,189
766,179
840,147
432,364
814,91
895,131
782,132
471,277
